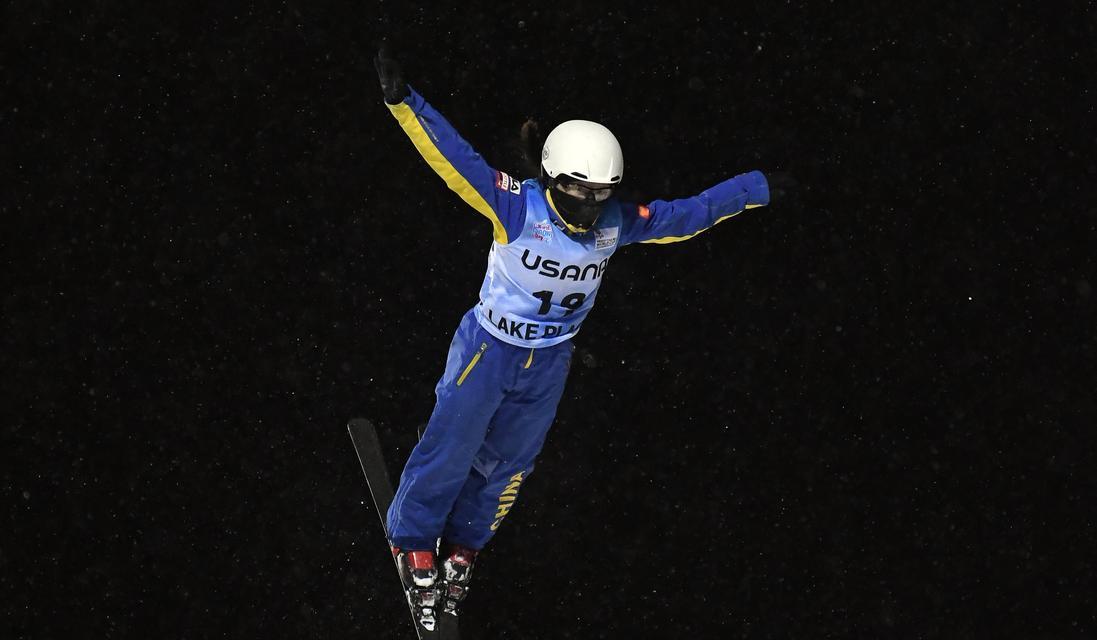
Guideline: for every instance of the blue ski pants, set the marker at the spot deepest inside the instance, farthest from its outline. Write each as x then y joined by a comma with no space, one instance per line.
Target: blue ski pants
495,404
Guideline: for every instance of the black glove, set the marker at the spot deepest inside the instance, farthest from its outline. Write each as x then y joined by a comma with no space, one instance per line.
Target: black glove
782,184
392,81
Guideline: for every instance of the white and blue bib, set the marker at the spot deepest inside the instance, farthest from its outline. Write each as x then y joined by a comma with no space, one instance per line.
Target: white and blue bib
540,286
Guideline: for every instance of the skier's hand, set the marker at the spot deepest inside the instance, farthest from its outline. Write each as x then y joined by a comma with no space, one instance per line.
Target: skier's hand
392,80
782,184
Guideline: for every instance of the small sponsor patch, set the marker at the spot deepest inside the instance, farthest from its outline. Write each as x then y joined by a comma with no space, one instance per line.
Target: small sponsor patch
645,213
504,182
605,238
542,231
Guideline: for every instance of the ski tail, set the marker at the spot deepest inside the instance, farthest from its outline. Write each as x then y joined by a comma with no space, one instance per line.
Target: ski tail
368,447
370,455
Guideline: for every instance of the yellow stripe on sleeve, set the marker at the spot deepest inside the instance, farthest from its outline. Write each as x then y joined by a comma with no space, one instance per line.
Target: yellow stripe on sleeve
670,239
444,168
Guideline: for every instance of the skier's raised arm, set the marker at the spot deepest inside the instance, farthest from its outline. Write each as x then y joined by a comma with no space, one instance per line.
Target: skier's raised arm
662,221
494,194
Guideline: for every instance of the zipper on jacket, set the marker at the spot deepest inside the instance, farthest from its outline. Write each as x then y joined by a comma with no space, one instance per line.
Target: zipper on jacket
472,363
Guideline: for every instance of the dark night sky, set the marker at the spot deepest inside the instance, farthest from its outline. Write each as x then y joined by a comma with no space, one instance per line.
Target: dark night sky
864,411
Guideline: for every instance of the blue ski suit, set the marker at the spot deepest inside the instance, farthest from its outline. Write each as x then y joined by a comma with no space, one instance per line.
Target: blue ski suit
510,356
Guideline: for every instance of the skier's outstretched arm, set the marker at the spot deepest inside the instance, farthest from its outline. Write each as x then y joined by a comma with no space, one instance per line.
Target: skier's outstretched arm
663,221
493,193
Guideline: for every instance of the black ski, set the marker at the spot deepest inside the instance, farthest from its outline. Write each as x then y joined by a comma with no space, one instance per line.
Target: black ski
368,447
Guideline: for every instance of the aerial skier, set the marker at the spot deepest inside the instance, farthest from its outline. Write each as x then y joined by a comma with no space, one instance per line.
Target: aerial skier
553,237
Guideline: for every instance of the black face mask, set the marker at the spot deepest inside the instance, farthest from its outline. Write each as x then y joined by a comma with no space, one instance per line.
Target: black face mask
578,212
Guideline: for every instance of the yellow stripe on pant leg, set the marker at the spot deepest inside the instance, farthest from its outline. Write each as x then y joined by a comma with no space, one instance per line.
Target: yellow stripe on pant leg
507,498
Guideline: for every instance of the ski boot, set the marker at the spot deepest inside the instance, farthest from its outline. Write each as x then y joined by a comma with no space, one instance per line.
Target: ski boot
456,566
420,577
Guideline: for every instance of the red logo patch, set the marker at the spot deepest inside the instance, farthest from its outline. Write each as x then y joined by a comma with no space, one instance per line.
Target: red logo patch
504,182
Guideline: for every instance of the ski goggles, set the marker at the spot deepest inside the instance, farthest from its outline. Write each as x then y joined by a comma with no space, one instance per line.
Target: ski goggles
585,190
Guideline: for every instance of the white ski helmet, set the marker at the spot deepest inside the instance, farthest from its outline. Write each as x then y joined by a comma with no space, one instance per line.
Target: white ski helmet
583,150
